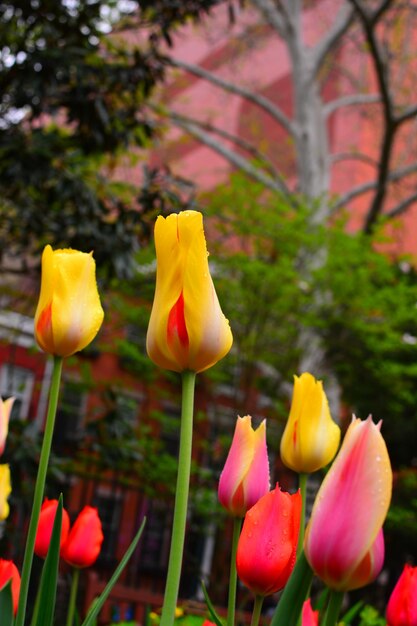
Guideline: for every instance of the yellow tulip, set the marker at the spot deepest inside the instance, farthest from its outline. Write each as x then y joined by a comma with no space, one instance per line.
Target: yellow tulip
69,312
5,491
311,438
187,329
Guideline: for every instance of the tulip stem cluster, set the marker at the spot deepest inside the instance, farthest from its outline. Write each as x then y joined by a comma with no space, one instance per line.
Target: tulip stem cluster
39,490
181,500
237,526
73,596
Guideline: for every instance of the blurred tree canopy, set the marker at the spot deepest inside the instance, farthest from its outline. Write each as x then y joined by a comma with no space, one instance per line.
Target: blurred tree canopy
73,91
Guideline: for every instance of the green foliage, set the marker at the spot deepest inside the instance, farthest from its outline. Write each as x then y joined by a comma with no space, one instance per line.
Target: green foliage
74,85
369,325
370,617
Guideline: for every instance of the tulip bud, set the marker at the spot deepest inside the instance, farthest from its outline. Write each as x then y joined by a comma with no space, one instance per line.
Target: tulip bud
187,329
311,437
5,410
344,542
8,570
83,544
45,526
69,313
267,545
5,491
402,604
245,477
308,616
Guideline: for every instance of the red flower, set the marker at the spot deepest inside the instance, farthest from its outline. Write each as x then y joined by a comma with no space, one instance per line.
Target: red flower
45,525
309,617
83,545
8,570
402,605
267,545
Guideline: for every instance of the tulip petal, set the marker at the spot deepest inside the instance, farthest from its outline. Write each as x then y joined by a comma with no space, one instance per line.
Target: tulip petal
370,566
69,313
402,604
237,465
5,491
351,505
257,479
267,545
311,438
187,329
5,411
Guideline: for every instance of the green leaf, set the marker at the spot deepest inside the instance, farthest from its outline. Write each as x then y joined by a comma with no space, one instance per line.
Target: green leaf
291,602
45,601
350,615
96,606
213,614
6,604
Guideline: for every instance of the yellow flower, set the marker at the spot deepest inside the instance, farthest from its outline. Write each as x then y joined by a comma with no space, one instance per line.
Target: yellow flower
5,410
187,329
69,313
5,491
311,438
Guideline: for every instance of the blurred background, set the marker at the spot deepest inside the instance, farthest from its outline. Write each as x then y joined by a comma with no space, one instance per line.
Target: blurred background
292,126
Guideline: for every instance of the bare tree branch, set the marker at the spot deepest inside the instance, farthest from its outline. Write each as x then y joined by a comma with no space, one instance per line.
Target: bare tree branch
349,100
369,23
232,157
353,156
277,18
372,185
264,103
238,141
402,206
340,25
408,114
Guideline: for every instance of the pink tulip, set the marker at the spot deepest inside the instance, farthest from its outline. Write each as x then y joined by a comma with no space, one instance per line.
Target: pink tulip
309,617
402,605
344,543
245,477
5,410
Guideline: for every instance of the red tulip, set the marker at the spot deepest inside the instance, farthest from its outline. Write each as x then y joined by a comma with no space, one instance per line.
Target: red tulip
45,525
402,605
267,545
83,544
308,616
8,570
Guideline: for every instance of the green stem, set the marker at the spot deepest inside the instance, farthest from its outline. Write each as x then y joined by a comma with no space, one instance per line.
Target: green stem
303,488
39,490
333,608
181,500
237,525
257,609
73,596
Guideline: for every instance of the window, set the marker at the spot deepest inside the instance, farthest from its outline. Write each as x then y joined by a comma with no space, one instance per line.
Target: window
155,541
18,382
70,413
109,507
